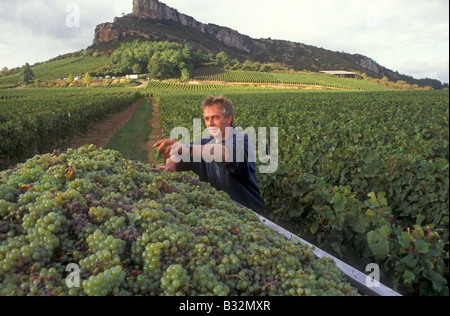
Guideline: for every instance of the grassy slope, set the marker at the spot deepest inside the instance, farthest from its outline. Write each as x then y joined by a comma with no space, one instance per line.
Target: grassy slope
62,68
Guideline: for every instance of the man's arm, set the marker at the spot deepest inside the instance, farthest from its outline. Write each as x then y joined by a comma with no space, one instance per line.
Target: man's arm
208,152
176,153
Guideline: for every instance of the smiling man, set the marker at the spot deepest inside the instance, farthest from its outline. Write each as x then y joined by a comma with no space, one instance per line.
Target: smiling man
226,159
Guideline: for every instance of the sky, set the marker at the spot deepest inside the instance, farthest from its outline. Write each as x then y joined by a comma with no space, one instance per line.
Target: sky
408,36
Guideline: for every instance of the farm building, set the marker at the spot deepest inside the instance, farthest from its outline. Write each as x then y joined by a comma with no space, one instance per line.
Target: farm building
340,73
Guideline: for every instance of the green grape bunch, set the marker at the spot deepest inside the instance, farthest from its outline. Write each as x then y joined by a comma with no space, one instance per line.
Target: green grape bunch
158,155
135,231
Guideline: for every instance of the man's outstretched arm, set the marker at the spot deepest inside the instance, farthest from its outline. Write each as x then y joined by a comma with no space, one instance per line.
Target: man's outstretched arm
176,153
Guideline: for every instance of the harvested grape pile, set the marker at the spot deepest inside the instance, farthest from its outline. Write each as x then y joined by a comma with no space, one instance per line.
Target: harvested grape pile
133,231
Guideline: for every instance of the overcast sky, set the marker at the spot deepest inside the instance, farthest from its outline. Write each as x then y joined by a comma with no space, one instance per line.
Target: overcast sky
409,36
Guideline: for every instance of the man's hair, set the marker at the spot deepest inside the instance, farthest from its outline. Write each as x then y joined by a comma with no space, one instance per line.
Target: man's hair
224,103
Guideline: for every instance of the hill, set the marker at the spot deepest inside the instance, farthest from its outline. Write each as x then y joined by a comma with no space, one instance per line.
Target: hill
153,20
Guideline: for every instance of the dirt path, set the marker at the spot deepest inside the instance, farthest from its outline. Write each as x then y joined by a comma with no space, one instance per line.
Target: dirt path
155,135
104,130
288,86
142,85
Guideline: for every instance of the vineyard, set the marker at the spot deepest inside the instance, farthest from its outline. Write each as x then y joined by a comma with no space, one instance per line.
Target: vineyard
310,79
53,70
35,120
177,86
363,174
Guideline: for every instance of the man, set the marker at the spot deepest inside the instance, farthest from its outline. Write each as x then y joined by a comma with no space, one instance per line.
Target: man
226,159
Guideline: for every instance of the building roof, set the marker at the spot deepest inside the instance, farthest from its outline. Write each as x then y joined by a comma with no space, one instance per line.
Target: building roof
338,72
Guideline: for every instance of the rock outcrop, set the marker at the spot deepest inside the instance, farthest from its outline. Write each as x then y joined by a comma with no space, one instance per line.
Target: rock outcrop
106,32
155,10
372,66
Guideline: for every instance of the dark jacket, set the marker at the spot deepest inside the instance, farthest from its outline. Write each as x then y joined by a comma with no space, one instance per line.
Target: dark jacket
237,177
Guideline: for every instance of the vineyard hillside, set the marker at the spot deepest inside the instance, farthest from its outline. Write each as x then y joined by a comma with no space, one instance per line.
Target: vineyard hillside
57,72
153,20
63,68
288,80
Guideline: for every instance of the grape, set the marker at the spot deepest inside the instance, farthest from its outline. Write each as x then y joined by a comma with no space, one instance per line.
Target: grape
135,231
157,155
175,280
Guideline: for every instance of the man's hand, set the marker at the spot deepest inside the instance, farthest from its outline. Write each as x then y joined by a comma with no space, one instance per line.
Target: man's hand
172,151
165,146
169,167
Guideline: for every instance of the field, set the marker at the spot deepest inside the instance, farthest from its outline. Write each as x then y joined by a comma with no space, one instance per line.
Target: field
305,79
36,120
364,174
52,70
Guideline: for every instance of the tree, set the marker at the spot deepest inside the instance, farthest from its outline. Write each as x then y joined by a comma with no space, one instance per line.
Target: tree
4,71
138,68
161,59
37,82
265,68
256,66
185,75
222,59
87,79
26,74
385,81
365,76
70,78
157,67
247,65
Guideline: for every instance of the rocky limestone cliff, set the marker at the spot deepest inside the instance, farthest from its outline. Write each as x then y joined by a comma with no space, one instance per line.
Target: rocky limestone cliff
371,65
155,10
106,32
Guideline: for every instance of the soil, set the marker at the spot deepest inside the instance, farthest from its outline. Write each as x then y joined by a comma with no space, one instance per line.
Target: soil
104,130
155,135
267,85
143,84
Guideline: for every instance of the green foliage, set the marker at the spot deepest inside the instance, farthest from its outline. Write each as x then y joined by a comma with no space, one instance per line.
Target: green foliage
157,155
222,59
87,79
365,172
37,81
162,60
36,120
62,68
26,74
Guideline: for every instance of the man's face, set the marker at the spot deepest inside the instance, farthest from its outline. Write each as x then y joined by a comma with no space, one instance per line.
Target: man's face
215,121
